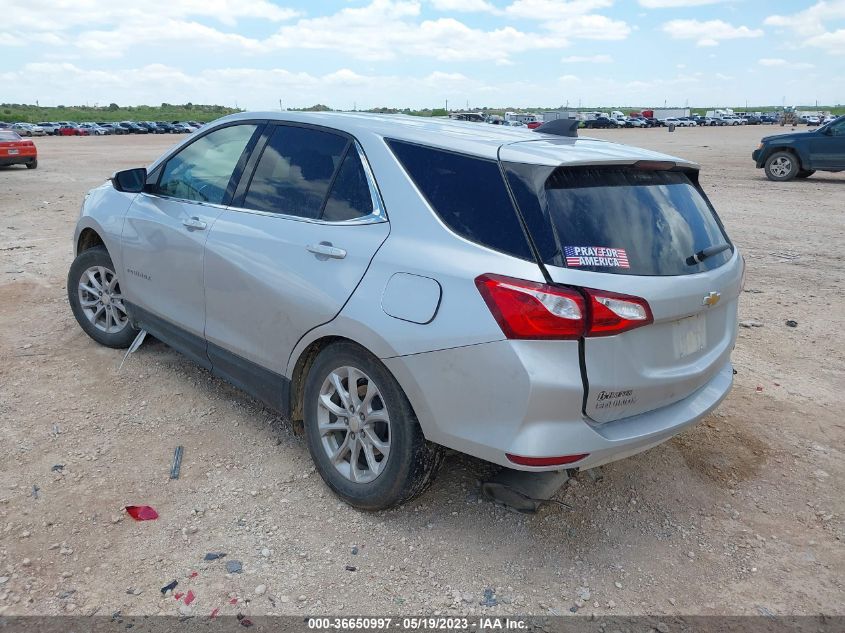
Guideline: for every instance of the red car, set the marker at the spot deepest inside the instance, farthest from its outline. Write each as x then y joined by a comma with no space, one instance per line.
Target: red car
71,129
16,151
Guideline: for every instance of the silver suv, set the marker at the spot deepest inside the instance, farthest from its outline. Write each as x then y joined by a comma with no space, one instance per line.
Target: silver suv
400,285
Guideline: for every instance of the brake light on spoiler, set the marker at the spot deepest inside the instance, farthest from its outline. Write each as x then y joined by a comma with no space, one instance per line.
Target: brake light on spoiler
532,310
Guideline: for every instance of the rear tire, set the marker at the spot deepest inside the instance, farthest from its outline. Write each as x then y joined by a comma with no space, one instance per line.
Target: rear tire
805,173
96,300
32,165
782,166
361,422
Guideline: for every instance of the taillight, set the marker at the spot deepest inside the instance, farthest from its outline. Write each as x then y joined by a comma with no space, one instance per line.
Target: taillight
531,310
613,313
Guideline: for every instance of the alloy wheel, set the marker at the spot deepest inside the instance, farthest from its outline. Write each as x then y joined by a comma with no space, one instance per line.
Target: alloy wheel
101,300
354,424
781,166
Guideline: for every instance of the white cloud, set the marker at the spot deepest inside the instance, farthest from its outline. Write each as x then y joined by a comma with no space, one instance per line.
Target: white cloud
811,21
587,59
811,25
545,9
592,27
674,4
777,62
832,43
708,33
52,15
464,6
388,29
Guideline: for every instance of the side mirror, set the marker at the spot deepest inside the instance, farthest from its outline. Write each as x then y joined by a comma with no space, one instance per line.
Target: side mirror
130,180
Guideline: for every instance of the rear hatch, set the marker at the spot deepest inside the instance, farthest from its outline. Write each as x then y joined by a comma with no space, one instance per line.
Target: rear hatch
641,229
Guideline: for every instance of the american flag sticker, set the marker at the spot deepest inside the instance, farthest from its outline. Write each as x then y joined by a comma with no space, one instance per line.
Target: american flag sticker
596,256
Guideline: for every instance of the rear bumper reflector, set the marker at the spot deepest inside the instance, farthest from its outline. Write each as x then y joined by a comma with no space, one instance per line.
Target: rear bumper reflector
545,461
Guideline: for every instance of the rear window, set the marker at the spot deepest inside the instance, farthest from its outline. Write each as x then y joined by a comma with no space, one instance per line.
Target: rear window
619,220
8,135
467,193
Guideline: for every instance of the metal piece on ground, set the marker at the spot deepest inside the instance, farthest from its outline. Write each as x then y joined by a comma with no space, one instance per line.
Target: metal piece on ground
177,462
132,348
523,491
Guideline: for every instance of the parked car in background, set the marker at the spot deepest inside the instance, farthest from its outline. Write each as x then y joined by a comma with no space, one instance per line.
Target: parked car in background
600,122
4,125
112,128
16,151
634,122
801,154
69,128
182,128
94,129
751,119
49,128
679,122
133,128
165,127
653,122
812,120
483,314
28,129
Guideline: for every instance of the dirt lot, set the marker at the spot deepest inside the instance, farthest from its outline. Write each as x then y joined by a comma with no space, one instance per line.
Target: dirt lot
741,515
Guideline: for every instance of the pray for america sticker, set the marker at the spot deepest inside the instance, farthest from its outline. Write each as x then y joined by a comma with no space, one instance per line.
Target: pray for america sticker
596,256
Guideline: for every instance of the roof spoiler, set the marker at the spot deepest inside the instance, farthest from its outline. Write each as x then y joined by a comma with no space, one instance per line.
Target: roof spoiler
560,127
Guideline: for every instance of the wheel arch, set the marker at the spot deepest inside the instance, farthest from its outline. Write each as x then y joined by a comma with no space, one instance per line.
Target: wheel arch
789,149
88,238
307,350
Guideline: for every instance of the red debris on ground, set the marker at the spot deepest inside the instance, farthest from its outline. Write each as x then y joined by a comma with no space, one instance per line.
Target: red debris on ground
193,574
142,513
233,601
214,613
190,597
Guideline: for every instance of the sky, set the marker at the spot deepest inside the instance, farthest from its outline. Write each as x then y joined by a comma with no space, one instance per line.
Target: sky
258,54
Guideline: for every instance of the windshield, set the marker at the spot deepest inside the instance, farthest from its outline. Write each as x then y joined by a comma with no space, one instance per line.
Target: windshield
618,220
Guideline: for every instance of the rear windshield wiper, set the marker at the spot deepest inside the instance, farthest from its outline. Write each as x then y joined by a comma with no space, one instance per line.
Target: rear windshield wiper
703,254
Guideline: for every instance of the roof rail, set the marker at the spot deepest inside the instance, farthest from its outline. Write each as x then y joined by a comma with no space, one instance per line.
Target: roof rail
560,127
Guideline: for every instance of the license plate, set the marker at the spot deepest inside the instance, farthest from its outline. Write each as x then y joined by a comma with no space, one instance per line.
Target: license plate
12,152
690,335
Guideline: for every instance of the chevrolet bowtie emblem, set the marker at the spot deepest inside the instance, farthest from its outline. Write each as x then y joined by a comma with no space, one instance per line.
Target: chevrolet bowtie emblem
711,299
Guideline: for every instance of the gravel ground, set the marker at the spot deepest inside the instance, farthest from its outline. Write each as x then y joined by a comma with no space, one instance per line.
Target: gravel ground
742,514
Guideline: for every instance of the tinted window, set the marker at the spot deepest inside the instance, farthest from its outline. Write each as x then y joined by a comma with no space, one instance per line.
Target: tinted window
203,169
618,220
468,194
295,171
350,195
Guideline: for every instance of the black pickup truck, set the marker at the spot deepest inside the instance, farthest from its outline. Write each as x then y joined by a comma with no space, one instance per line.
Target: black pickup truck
801,154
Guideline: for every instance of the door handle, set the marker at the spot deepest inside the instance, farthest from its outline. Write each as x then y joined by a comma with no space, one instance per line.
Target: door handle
194,224
325,250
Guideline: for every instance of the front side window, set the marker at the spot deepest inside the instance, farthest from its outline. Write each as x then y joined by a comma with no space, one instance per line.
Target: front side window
295,171
203,169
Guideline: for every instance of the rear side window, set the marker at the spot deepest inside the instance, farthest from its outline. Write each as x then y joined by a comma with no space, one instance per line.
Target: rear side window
350,195
468,194
617,219
295,171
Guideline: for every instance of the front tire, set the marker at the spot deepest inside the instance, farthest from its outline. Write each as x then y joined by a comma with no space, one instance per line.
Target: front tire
782,166
96,301
362,433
